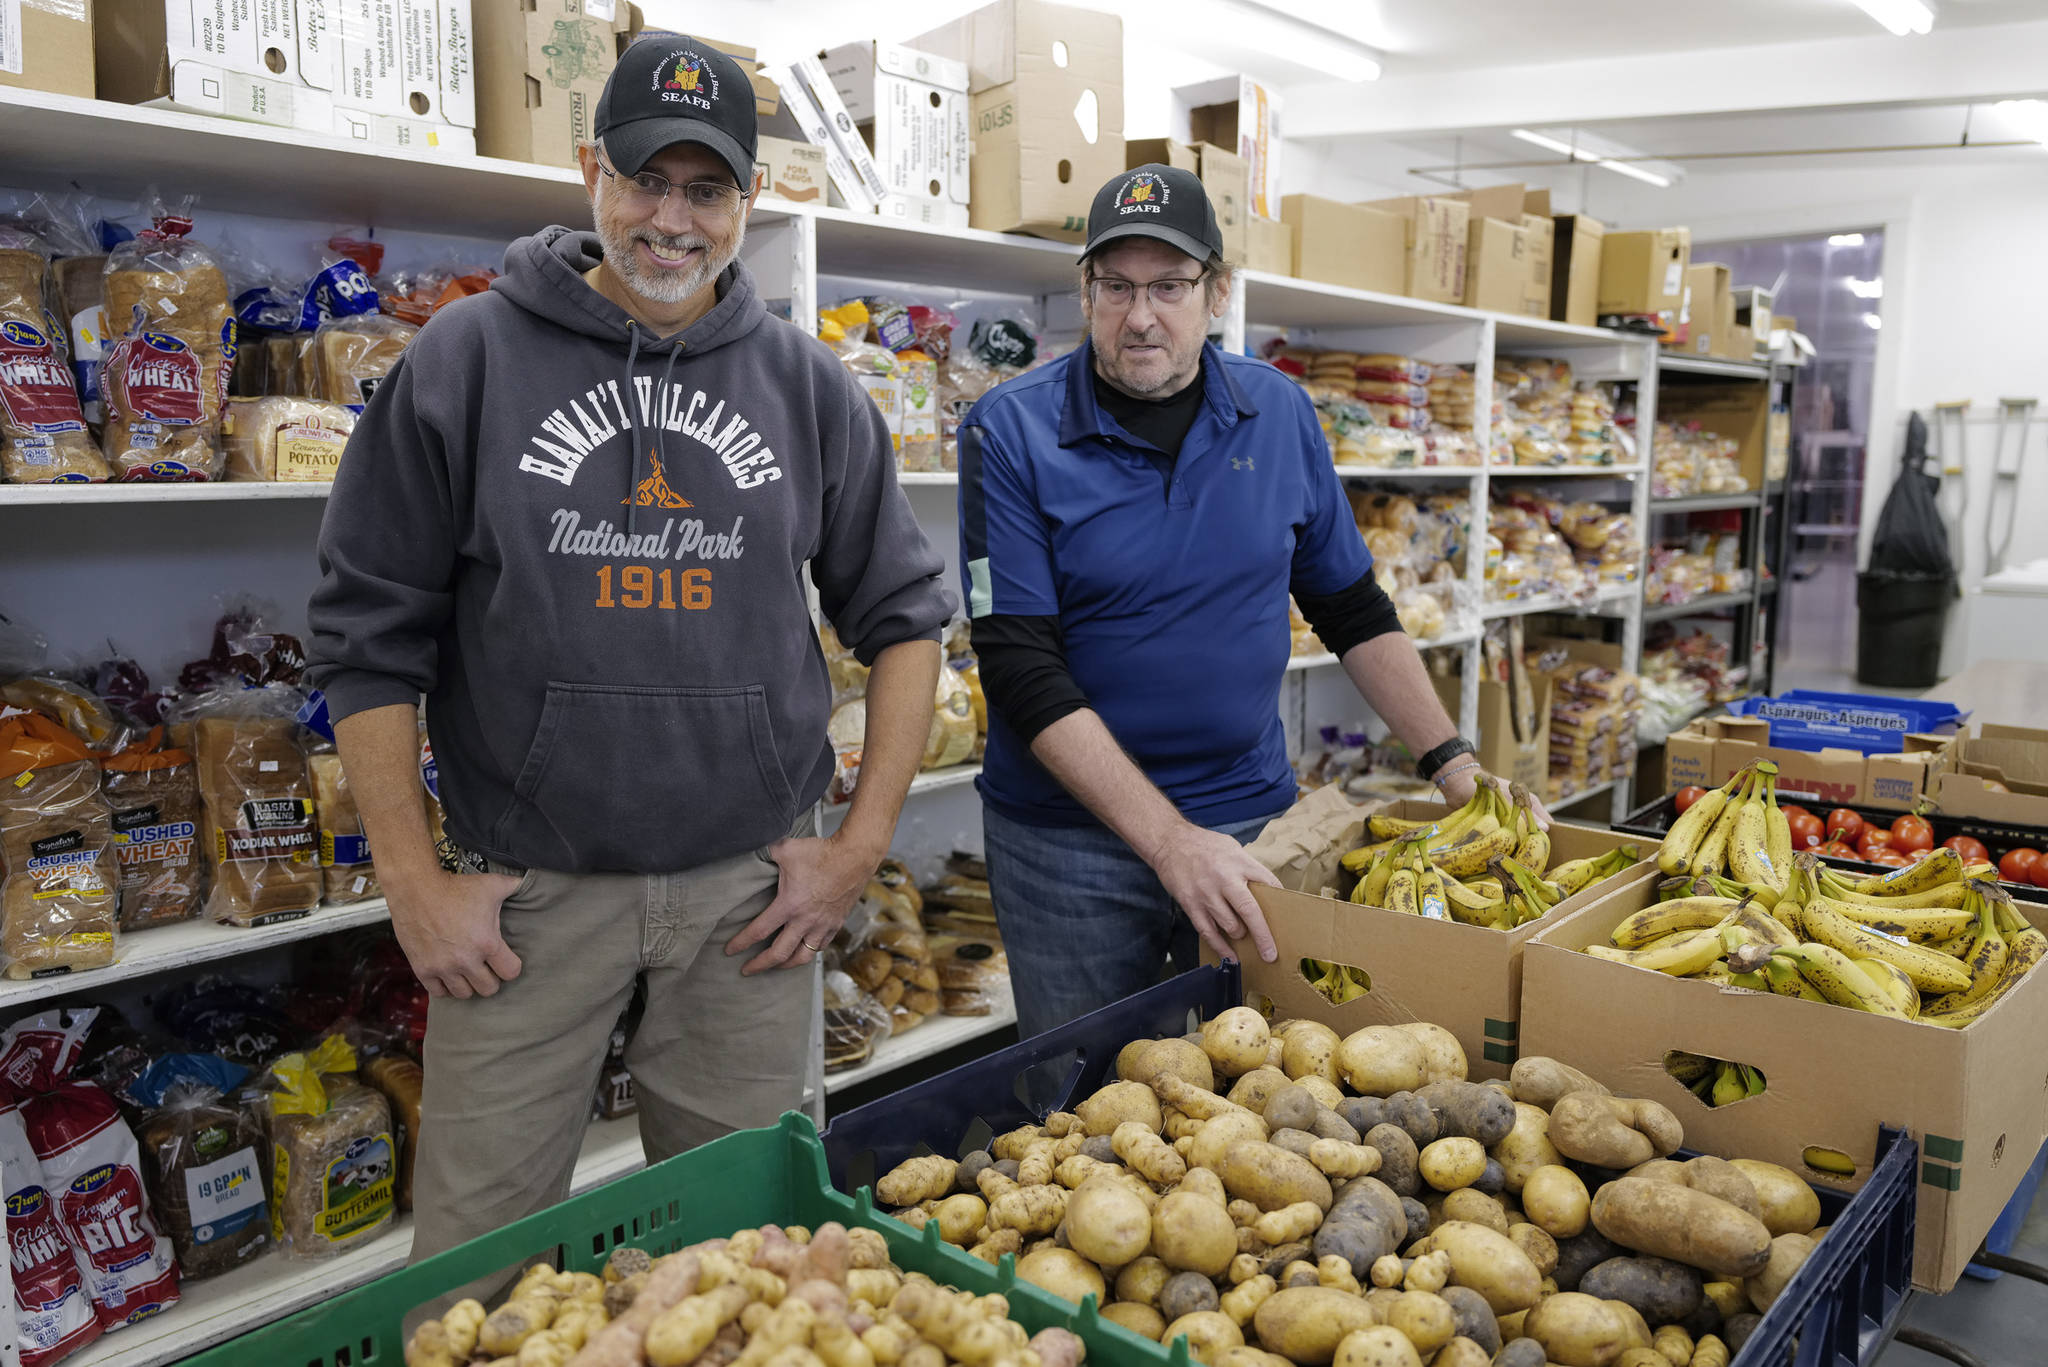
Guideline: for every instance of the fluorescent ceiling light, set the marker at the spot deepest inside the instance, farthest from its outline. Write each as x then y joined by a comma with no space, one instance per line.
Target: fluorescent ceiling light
1550,144
2028,117
1865,289
1900,16
1846,240
1265,27
1872,321
1661,182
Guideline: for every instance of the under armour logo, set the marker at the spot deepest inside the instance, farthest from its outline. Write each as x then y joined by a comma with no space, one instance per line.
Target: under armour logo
1240,462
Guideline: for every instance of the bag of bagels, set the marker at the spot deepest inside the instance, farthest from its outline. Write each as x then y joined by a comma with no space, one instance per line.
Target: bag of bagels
43,435
165,377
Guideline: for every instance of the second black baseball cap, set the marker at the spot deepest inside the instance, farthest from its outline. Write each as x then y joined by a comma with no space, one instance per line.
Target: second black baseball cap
1161,202
667,90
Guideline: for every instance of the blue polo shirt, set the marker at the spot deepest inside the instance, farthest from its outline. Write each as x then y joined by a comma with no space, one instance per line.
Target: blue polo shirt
1170,581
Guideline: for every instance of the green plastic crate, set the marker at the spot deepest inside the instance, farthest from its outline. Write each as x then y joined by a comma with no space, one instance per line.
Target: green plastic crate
747,1179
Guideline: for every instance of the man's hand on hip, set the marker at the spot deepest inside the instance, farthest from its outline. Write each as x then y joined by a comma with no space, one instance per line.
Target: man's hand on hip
447,924
1210,875
821,880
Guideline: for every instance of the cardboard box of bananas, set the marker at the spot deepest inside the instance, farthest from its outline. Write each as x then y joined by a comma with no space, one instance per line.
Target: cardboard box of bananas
1486,864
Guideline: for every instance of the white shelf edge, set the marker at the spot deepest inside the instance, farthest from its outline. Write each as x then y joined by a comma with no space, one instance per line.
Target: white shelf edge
219,1308
1297,663
1522,607
935,1036
1408,471
1551,471
1585,793
915,477
43,495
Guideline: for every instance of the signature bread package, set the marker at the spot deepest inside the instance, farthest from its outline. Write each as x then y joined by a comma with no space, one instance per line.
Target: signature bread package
202,1153
262,840
334,1172
58,895
351,356
165,377
345,869
43,435
152,789
284,438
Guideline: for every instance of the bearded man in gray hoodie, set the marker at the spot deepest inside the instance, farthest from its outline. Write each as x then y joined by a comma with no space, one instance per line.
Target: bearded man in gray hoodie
576,517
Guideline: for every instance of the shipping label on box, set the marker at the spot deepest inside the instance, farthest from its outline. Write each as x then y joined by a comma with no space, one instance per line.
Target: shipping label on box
1465,978
791,170
1978,1119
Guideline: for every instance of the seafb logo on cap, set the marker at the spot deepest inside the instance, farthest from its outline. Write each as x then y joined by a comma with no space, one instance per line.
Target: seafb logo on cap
1143,193
686,78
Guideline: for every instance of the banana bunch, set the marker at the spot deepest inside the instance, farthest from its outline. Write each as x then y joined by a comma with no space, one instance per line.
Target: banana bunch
1483,865
1737,830
1339,983
1932,941
1713,1080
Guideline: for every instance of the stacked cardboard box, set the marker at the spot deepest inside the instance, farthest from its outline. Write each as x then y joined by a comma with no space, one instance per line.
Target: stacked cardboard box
49,48
395,74
909,110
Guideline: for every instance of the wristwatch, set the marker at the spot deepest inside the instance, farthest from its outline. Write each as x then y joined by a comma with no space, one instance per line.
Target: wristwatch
1442,755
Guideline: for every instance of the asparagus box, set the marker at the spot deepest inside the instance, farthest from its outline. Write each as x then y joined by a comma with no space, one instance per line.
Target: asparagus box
1465,978
1976,1099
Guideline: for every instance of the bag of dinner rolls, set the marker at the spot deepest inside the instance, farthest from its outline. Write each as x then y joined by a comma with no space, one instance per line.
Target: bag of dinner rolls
165,377
58,898
43,436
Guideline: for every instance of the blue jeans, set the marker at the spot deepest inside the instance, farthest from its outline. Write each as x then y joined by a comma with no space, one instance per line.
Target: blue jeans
1084,920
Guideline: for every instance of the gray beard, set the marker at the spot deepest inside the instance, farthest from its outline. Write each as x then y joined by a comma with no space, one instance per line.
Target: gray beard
664,287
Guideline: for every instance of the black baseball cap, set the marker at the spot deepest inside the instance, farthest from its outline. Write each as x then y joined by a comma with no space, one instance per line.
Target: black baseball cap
1160,202
671,88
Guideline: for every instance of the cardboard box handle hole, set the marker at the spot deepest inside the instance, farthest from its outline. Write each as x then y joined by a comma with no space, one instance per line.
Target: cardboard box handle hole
1336,983
1714,1082
1828,1162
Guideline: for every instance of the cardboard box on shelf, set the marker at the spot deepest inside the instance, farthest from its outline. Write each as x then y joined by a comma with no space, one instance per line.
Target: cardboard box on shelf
1344,244
539,73
841,133
437,83
369,74
1709,751
2016,756
1497,266
1434,229
1465,978
1269,246
800,112
1542,250
427,137
456,34
791,170
1740,409
1644,272
1223,174
912,108
1977,1119
1180,156
1525,761
1707,313
1576,246
1238,114
50,50
1046,108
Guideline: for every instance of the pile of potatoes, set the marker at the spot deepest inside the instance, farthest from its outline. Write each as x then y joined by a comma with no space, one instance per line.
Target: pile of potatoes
1282,1195
767,1297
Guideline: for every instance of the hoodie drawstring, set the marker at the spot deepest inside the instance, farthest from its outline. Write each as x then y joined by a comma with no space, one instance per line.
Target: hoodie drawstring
658,457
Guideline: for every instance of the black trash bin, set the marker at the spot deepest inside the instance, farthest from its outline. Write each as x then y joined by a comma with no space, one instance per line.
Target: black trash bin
1899,623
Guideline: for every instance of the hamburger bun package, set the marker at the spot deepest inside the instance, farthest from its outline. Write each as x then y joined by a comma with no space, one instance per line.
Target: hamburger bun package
165,376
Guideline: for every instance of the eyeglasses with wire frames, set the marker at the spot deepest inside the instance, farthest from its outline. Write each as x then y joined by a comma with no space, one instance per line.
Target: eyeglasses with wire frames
703,196
1175,292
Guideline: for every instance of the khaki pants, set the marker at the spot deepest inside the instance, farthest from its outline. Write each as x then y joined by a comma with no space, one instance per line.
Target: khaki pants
510,1077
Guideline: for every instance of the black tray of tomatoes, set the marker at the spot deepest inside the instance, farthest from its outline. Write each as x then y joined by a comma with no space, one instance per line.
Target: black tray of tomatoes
1870,841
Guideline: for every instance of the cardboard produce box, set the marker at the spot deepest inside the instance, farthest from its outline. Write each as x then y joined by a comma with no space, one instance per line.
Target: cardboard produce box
912,108
1708,752
1707,316
1575,269
1497,267
1740,409
1180,156
1047,109
1526,762
1241,116
1644,272
1269,246
2016,756
791,170
1467,979
1225,180
1345,244
1435,229
49,49
539,72
1974,1098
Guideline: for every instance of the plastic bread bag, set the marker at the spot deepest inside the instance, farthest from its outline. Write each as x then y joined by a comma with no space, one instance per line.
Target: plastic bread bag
351,356
346,872
165,377
53,1310
951,738
334,1169
973,975
202,1156
43,433
854,1021
72,705
401,1081
59,897
263,843
282,438
215,1016
152,790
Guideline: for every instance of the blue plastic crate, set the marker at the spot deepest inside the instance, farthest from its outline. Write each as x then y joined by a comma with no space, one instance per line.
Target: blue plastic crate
1807,719
1840,1308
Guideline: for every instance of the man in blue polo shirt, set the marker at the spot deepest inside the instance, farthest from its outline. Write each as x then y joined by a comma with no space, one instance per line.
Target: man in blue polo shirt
1132,519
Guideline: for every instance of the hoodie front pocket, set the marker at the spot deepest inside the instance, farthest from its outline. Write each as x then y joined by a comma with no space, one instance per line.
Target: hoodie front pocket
642,778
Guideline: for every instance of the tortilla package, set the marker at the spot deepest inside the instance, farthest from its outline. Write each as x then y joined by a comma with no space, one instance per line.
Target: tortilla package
58,898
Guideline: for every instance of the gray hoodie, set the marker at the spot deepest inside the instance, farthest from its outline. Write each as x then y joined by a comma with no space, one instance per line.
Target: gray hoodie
585,544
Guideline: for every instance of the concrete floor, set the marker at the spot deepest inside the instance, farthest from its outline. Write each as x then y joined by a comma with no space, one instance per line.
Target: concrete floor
1999,1321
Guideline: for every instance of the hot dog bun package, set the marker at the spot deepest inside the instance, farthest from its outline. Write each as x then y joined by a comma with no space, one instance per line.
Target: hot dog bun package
261,837
59,896
165,375
43,434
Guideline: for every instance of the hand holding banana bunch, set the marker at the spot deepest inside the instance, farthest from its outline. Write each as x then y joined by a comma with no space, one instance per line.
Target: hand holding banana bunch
1935,941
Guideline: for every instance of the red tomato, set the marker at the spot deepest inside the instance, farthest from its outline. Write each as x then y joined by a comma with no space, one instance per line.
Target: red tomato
1806,830
1891,859
1793,809
1972,851
2016,866
1874,838
1912,833
1844,823
1835,849
1689,795
2039,872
